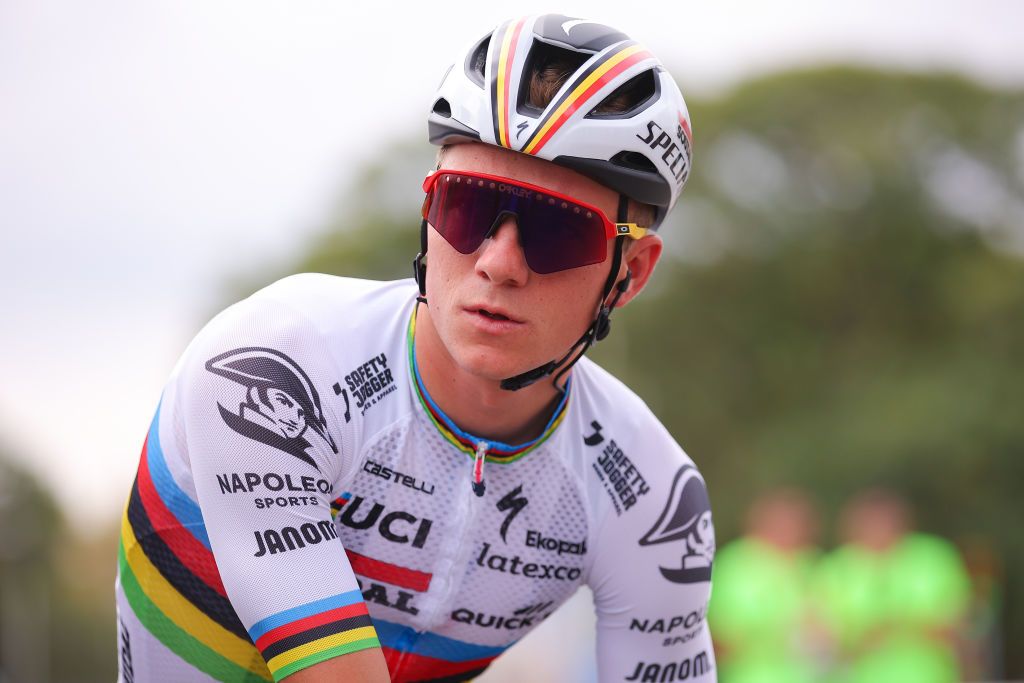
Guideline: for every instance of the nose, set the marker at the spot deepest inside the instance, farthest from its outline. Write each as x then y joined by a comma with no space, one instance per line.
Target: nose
501,259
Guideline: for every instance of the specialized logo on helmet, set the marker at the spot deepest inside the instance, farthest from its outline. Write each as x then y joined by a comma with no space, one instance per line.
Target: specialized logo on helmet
687,516
281,408
674,154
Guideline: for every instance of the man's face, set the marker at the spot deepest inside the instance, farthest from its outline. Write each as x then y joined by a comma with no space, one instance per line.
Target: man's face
495,317
286,413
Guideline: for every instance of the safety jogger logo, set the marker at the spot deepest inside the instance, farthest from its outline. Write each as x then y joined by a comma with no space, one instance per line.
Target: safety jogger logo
687,516
280,408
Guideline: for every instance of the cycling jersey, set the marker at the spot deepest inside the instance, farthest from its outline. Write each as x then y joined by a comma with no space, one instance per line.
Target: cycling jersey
301,496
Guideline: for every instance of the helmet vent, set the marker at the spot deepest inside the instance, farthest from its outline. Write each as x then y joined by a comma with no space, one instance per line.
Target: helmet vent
443,108
546,69
635,161
628,99
476,61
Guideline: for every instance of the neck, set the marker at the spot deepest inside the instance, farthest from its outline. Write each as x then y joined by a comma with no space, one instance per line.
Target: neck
476,404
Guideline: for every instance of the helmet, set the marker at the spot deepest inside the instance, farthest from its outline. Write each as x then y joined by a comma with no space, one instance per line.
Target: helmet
643,152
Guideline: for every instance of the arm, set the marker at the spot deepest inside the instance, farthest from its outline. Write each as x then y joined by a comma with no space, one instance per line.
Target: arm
651,581
365,665
268,447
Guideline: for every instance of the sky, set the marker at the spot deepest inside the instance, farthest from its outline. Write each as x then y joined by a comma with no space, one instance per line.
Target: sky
152,152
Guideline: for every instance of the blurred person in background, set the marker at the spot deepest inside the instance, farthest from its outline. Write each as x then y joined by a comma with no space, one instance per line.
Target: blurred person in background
355,480
892,600
759,606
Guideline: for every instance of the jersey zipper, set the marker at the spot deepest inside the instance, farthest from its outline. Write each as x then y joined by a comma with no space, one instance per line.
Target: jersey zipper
468,511
478,467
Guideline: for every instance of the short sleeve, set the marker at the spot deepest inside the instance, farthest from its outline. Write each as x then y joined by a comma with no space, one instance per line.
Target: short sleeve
257,413
651,574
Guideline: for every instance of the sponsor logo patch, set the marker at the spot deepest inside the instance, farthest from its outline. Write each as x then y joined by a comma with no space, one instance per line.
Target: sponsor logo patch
686,517
677,629
674,154
272,482
673,671
378,470
524,617
617,473
535,539
512,503
371,382
274,541
380,594
514,565
280,408
396,526
596,437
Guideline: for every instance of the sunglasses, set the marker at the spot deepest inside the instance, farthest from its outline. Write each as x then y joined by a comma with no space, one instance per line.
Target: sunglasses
556,231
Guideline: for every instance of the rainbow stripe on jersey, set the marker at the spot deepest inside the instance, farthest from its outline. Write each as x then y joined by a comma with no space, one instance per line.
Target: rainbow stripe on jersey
171,581
415,656
305,635
497,452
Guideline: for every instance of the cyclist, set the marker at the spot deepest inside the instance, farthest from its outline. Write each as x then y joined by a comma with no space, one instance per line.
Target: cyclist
353,480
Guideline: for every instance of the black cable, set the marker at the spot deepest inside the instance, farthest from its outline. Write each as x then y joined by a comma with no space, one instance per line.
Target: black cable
419,268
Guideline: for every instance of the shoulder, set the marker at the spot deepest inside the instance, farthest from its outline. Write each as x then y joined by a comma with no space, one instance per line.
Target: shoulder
319,288
653,546
625,429
329,300
307,331
644,486
310,309
280,367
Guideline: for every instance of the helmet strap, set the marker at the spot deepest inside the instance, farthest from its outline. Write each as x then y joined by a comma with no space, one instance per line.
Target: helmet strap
419,268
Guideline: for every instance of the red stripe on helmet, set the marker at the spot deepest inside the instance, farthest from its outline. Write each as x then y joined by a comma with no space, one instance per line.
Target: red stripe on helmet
587,94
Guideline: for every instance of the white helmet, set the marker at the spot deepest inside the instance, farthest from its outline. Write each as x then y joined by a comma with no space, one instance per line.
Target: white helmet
643,152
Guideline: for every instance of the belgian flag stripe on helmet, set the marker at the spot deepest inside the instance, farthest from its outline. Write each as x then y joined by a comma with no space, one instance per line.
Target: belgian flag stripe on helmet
501,80
583,88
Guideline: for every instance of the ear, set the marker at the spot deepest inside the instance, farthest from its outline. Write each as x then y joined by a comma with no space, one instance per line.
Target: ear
640,257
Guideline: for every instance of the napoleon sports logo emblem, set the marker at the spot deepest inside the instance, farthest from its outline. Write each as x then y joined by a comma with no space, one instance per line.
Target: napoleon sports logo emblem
280,408
687,516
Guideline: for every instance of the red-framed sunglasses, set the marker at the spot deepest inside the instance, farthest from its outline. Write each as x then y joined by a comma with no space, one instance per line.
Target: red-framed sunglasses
556,231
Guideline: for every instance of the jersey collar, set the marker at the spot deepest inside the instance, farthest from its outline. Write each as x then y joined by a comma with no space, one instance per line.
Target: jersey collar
497,451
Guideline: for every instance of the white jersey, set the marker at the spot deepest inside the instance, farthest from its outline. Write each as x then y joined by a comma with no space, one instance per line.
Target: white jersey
300,496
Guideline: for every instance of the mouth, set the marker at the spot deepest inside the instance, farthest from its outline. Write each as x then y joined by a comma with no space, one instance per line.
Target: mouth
493,314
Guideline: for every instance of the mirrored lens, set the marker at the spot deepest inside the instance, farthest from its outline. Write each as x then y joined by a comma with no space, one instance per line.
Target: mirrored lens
462,211
555,233
561,235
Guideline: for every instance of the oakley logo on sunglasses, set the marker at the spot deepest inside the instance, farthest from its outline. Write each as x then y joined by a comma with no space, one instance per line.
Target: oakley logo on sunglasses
515,191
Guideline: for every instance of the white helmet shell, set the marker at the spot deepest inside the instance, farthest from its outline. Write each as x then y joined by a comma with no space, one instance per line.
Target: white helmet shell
643,153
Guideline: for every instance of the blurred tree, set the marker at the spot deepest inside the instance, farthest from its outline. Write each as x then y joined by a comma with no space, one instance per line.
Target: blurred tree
841,301
54,624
